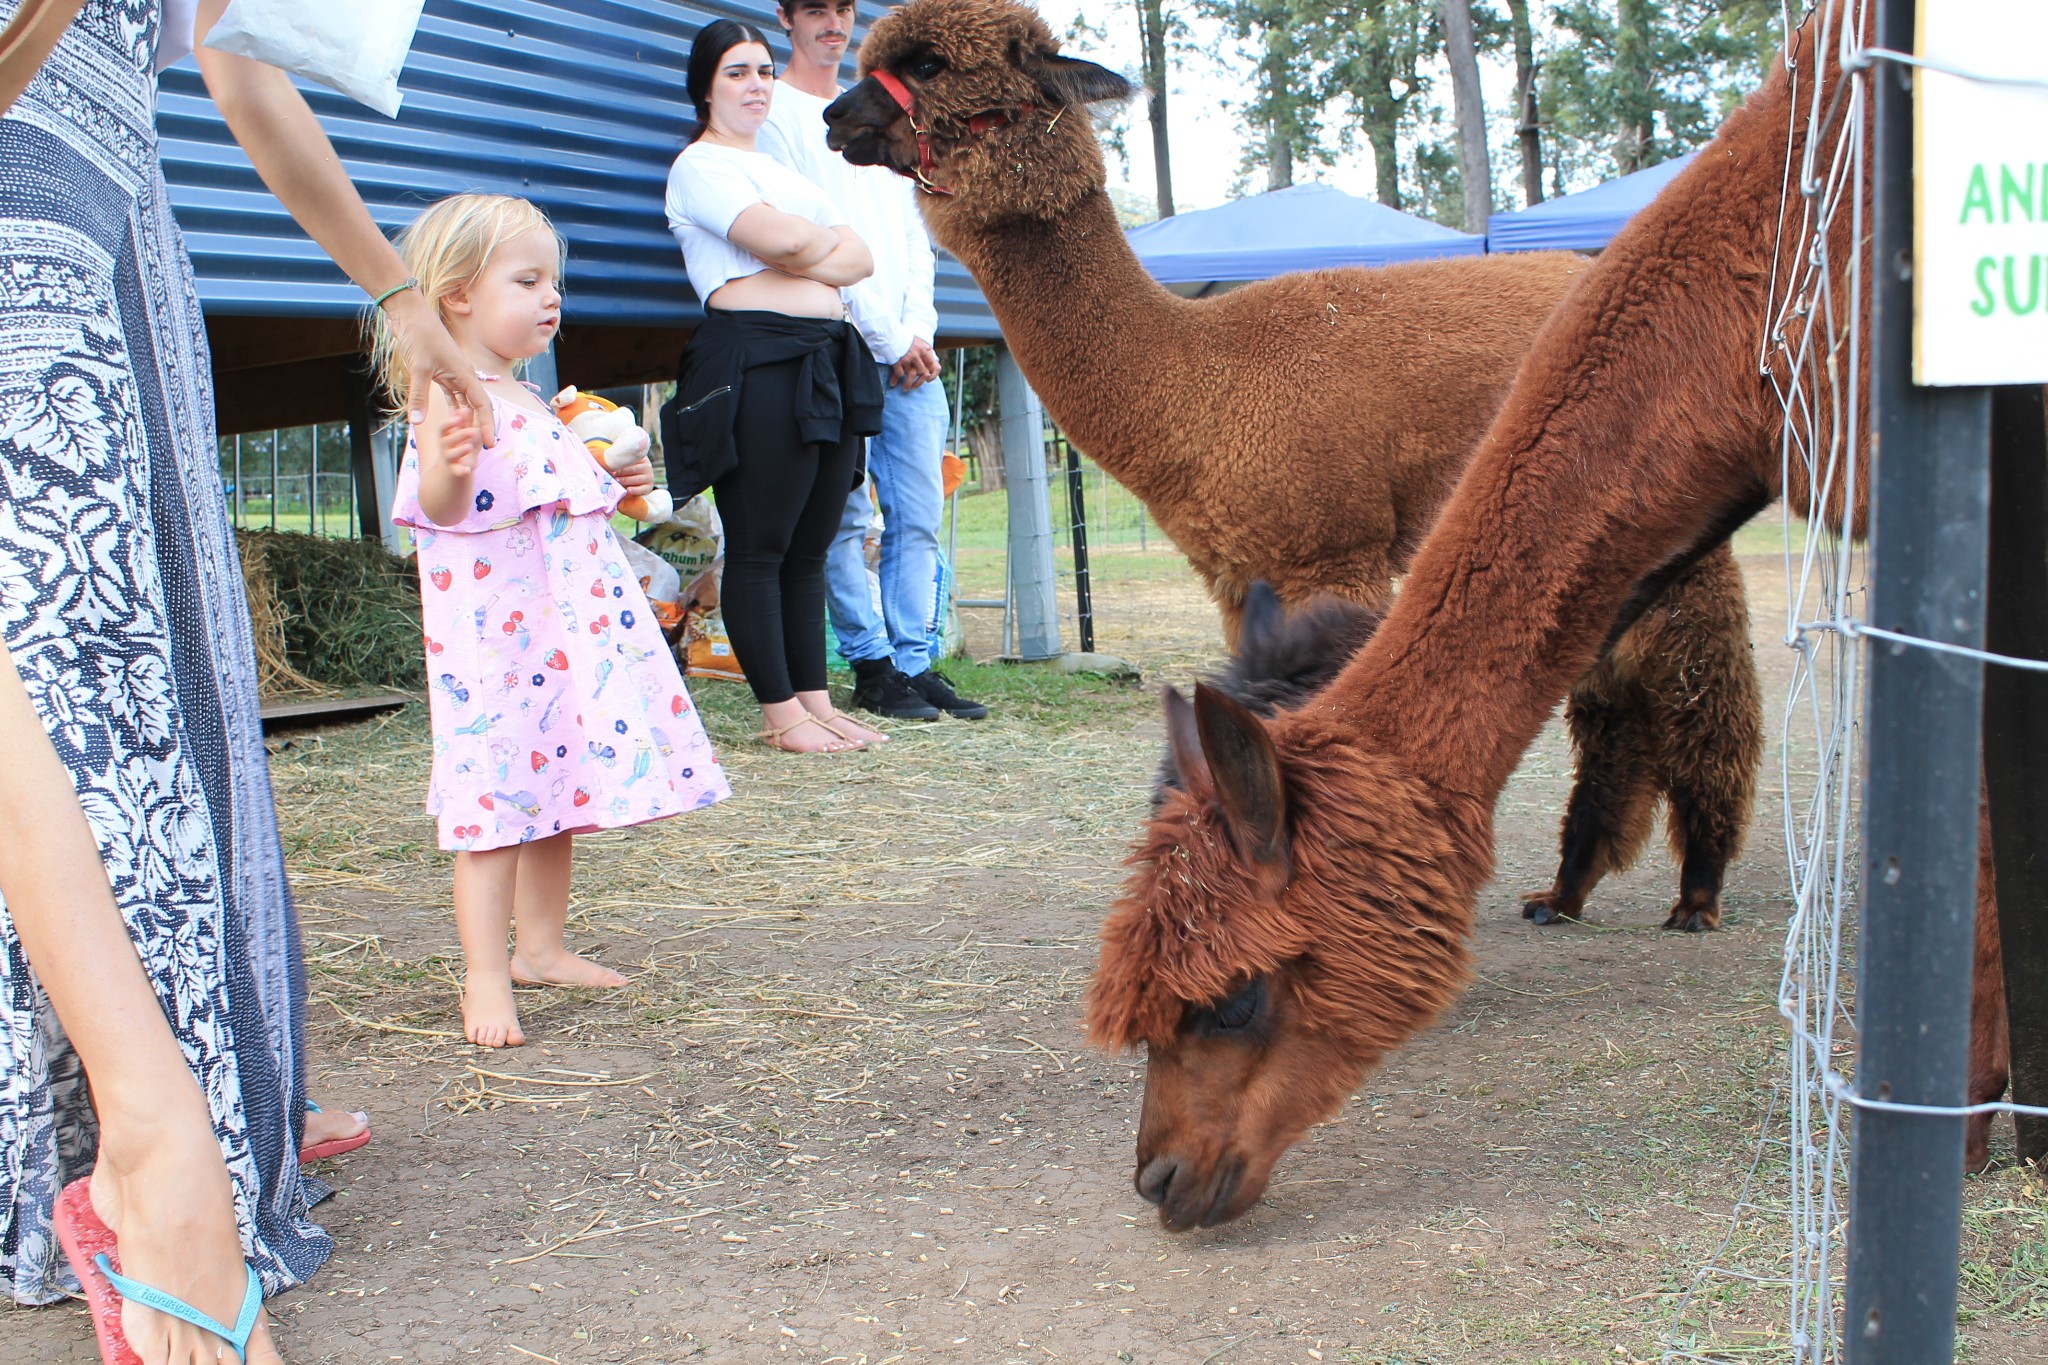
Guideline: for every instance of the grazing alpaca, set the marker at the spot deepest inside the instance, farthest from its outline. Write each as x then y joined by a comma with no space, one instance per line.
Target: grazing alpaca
1303,430
1302,906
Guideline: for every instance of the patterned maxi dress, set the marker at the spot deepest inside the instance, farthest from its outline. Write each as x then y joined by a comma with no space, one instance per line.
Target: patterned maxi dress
121,602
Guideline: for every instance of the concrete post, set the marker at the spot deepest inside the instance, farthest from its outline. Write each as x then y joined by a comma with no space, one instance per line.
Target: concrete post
1031,560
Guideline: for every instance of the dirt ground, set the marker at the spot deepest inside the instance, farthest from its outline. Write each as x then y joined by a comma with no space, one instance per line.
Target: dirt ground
844,1112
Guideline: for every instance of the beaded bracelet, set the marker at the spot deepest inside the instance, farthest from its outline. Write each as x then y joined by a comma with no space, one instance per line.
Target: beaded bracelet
378,302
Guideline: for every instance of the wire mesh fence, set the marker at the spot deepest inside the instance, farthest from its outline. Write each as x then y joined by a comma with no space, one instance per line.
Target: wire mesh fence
291,479
1785,1233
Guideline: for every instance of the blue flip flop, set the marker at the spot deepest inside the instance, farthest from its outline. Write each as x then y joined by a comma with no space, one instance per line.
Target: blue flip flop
236,1336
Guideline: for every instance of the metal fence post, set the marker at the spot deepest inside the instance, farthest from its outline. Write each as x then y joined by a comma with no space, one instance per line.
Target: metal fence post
1929,520
1032,582
374,460
1077,532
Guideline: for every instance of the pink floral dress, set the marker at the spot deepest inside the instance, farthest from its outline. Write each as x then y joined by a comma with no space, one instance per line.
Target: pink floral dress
556,705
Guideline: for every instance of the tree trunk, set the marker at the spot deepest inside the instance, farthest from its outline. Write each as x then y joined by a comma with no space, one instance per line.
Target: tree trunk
1379,109
985,439
1634,106
1462,52
1279,161
1279,112
1528,127
1152,23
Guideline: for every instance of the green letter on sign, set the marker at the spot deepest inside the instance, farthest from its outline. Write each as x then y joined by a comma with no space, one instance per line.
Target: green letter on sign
1978,195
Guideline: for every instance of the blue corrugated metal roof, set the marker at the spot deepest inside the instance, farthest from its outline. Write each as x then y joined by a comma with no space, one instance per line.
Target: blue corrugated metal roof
577,106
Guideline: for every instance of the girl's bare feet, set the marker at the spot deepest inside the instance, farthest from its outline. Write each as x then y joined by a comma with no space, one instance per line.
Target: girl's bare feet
489,1018
560,967
172,1208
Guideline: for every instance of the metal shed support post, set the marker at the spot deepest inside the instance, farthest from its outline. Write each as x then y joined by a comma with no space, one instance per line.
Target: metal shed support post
1031,562
373,458
1929,521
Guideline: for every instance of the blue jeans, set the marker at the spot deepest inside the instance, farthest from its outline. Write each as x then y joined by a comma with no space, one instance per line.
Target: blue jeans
904,462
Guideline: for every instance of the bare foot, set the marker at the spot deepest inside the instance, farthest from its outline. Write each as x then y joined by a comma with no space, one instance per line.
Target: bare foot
846,727
561,968
332,1125
489,1018
173,1212
807,735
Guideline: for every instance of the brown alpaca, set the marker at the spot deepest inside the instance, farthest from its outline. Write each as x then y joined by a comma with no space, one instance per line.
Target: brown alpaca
1303,906
1303,430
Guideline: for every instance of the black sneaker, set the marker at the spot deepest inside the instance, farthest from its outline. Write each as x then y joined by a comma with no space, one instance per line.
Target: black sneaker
934,688
879,686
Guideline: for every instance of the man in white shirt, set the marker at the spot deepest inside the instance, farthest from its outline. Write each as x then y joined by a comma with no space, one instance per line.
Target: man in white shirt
890,653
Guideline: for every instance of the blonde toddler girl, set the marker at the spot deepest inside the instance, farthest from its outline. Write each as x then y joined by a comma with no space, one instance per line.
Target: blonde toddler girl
556,706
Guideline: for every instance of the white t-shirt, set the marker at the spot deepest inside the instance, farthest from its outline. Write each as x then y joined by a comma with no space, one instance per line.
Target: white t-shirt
710,185
893,305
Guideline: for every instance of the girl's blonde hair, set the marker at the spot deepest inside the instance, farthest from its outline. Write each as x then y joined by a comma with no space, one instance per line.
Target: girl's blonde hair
445,249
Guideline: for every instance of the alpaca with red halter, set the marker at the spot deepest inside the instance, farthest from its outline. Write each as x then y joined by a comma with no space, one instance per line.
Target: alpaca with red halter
1303,430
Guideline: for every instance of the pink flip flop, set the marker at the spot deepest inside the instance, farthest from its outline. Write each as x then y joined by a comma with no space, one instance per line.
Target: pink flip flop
89,1245
84,1237
320,1151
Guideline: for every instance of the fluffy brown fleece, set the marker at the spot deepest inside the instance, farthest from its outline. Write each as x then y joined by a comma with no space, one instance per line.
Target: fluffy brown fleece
1303,430
1637,432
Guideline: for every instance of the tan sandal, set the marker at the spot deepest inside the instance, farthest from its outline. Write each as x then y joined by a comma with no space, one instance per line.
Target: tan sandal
772,737
826,721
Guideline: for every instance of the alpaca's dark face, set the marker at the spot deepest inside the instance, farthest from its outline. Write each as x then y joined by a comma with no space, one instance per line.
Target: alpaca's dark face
998,102
1240,1081
1296,909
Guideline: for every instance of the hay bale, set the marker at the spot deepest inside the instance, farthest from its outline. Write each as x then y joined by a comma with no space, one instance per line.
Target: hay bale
275,676
350,608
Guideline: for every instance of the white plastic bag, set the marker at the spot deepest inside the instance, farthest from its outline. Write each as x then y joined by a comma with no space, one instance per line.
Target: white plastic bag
356,48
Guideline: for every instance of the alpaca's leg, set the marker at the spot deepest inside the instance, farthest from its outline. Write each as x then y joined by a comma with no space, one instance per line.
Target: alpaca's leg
1607,817
1989,1057
1710,728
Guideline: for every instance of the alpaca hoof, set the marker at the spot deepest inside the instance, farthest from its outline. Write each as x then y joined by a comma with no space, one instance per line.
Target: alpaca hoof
1541,908
1693,919
1977,1144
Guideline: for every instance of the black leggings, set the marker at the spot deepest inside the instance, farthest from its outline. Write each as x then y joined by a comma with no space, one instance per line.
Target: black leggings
781,507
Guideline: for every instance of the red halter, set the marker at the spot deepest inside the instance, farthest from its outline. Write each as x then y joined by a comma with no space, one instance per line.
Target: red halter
985,122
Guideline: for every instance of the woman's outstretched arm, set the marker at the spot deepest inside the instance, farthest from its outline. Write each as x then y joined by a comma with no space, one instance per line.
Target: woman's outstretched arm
290,150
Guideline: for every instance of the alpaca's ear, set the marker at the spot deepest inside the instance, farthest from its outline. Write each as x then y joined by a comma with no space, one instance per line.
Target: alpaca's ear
1245,768
1069,80
1261,622
1184,742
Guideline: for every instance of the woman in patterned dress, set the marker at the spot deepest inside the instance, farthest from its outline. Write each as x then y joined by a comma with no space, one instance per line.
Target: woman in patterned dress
147,939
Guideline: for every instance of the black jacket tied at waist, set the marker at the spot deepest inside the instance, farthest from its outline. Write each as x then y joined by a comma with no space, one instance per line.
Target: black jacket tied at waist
839,390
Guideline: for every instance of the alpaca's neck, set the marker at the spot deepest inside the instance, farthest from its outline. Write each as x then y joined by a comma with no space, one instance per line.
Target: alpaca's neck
1637,425
1097,337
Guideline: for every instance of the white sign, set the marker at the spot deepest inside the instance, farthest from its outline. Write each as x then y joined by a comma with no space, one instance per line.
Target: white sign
1980,178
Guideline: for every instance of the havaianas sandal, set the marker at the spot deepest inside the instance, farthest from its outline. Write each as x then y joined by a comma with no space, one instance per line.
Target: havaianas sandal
320,1151
89,1245
772,737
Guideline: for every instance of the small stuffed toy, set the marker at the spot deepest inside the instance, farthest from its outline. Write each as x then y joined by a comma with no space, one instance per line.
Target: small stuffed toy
615,441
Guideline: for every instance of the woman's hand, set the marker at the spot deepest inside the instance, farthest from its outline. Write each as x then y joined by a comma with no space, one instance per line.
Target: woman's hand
432,359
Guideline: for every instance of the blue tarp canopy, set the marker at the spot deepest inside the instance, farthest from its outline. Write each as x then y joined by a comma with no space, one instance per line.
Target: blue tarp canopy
1303,227
1585,221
